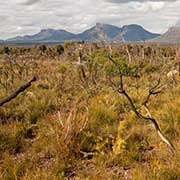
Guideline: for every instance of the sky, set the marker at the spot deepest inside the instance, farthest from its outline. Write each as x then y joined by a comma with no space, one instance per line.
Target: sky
22,17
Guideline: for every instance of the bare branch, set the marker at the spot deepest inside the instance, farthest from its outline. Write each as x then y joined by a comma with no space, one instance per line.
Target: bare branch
114,62
150,118
17,92
161,135
153,91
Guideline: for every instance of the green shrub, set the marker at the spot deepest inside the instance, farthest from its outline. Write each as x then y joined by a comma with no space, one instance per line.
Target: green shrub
62,69
151,68
60,49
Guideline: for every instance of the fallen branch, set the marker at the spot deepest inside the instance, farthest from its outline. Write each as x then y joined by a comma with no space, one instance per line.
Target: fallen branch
17,92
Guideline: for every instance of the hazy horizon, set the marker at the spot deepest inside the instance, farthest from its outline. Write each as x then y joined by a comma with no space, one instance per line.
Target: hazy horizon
26,17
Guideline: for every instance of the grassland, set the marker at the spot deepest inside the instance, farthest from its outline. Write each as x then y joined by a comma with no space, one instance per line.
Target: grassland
73,124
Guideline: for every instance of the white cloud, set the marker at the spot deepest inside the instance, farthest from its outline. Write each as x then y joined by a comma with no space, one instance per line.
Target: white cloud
19,17
127,1
148,6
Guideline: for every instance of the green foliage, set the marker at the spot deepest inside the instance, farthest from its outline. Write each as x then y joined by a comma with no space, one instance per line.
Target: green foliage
151,68
110,69
129,70
62,69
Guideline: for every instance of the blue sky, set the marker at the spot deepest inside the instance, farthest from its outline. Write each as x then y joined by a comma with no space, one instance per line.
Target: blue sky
20,17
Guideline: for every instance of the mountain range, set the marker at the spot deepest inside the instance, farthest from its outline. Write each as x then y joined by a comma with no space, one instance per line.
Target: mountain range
99,32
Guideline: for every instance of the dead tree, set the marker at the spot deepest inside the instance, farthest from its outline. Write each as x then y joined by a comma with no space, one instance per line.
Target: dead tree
177,58
156,89
17,92
127,49
80,66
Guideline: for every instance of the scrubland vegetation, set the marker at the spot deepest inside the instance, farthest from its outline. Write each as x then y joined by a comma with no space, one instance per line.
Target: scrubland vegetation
72,123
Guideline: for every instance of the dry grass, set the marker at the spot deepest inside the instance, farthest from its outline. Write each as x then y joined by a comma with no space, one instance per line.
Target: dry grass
67,126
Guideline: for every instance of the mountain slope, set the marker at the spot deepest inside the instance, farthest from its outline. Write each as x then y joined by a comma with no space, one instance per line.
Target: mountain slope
45,35
135,32
98,32
172,36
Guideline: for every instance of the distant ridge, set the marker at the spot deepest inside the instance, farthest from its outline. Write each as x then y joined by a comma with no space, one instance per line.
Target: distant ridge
99,32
